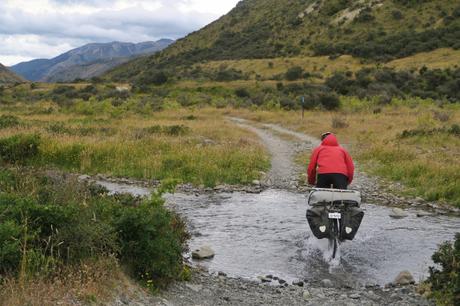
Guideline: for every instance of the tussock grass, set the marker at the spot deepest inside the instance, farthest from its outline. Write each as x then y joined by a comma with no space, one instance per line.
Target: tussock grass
426,163
91,283
208,150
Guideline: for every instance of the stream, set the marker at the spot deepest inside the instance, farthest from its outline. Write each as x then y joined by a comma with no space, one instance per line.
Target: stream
267,233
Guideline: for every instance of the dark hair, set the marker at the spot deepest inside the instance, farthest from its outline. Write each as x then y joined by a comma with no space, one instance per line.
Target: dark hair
325,135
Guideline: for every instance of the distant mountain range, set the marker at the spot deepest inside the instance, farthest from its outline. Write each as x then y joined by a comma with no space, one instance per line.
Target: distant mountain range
86,62
8,77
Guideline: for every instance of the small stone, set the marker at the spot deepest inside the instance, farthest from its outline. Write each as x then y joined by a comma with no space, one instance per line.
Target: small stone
204,252
298,283
264,279
306,295
405,290
422,214
398,213
404,278
195,288
220,273
84,177
355,296
326,283
395,296
269,276
256,182
226,298
281,281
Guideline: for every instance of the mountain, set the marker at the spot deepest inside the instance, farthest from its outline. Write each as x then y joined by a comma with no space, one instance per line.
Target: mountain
373,30
8,77
85,62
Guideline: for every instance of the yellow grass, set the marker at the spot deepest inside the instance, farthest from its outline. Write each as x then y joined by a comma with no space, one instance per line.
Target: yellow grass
323,65
212,150
438,59
428,165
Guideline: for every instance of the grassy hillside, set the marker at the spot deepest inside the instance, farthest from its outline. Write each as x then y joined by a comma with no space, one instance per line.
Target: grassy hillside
8,77
256,29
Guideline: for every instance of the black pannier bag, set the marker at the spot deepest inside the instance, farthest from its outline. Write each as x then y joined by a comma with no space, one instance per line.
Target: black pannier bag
318,217
318,214
350,222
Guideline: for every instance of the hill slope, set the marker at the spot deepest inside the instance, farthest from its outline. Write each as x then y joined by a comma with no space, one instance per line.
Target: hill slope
8,77
376,30
87,61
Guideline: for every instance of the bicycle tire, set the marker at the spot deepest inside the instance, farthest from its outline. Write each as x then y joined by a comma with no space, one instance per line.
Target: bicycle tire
335,238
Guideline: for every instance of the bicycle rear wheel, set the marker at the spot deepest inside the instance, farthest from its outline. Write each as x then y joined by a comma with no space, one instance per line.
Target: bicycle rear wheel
335,237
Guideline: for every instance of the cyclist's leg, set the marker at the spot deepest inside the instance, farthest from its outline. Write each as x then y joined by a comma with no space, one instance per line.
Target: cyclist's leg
324,181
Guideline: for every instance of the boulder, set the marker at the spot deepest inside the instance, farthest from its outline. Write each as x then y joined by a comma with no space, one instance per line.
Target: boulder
306,295
404,278
204,252
326,283
398,213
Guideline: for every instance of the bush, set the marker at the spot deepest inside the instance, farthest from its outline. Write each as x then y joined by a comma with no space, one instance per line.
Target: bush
242,93
445,281
329,101
7,121
397,15
176,130
19,148
294,73
63,222
150,244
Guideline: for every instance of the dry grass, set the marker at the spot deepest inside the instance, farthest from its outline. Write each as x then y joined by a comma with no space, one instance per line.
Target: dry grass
92,283
428,165
267,68
213,150
438,59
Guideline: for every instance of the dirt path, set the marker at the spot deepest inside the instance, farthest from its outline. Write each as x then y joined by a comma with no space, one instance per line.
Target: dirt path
284,171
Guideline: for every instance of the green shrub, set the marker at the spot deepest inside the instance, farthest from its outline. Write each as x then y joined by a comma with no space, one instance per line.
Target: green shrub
176,130
47,223
7,121
294,73
445,281
150,246
19,148
242,93
58,128
329,101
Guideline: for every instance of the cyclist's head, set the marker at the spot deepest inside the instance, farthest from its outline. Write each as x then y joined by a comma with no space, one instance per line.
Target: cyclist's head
325,135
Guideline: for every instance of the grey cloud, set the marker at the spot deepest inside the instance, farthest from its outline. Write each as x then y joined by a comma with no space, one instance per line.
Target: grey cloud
58,29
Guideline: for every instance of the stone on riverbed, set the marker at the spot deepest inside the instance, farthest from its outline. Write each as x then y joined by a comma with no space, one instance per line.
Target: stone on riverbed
421,214
327,283
404,278
204,252
398,213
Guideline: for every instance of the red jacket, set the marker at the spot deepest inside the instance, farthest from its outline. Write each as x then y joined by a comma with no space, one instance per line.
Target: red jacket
330,157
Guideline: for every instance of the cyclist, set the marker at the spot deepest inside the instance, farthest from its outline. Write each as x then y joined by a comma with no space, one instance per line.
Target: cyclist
332,163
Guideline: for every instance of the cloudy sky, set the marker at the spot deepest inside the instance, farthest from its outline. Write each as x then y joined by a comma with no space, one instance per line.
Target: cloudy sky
32,29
